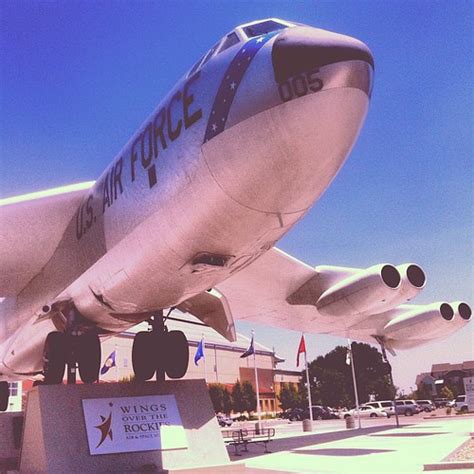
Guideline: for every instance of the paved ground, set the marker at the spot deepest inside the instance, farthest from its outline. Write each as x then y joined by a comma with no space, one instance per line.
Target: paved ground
378,447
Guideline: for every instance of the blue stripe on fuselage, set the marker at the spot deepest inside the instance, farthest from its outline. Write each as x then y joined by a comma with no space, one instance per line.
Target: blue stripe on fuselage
230,83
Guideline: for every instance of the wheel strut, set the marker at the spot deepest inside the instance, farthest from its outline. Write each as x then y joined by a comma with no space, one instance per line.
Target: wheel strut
72,349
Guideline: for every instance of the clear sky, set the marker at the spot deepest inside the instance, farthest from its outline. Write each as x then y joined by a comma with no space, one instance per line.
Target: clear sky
78,78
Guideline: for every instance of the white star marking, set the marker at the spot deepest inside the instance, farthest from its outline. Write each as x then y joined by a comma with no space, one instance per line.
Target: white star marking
232,86
260,40
214,127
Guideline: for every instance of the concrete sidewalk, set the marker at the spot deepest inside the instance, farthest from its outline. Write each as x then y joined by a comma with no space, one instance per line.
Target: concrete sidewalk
377,449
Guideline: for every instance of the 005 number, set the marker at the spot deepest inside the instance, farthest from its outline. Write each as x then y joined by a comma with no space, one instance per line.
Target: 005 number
300,85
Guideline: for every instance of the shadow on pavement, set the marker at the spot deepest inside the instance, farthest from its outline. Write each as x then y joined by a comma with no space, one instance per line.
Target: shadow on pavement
342,451
408,435
428,427
295,442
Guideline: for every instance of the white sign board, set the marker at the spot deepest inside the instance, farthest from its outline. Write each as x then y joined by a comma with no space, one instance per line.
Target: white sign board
125,424
469,391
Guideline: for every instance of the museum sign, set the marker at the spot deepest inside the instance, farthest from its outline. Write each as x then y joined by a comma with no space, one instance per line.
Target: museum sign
127,424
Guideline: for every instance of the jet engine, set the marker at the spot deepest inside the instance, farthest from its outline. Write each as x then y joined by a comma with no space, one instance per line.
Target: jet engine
361,292
462,313
413,281
423,322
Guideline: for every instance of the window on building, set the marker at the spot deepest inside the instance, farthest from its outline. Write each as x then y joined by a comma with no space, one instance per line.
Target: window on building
13,389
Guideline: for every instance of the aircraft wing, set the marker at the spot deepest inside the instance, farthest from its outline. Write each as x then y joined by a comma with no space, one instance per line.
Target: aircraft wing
362,304
31,227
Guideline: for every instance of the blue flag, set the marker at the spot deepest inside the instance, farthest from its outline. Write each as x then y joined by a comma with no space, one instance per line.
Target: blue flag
249,351
109,362
199,352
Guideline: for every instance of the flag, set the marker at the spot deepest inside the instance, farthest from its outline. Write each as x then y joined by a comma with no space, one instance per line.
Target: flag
349,352
301,349
199,352
109,362
249,351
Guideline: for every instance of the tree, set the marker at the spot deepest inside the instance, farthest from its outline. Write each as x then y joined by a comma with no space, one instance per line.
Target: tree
226,401
216,393
334,376
423,392
249,395
238,402
446,392
289,396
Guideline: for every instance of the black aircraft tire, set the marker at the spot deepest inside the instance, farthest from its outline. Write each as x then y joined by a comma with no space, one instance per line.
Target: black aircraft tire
176,355
54,357
144,355
89,357
4,395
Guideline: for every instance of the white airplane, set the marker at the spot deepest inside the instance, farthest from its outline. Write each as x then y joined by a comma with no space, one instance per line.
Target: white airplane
187,215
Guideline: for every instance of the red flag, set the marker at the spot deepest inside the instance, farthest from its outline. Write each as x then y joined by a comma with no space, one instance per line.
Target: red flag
301,349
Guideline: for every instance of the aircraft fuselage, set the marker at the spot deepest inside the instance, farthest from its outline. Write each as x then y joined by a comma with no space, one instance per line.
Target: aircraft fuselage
228,162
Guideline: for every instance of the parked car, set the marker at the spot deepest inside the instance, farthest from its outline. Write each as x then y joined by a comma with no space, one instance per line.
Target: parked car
366,411
385,405
460,404
320,413
407,407
293,414
426,405
440,402
224,420
334,412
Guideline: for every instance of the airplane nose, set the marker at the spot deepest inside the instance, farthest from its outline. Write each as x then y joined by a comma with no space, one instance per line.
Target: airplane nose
302,49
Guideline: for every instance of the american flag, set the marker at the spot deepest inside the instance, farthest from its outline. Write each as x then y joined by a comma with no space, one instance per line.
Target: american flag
229,85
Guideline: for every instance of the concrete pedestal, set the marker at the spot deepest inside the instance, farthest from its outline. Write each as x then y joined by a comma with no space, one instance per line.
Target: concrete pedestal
55,439
10,437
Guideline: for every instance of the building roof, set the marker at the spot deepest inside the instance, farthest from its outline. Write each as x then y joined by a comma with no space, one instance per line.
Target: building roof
446,367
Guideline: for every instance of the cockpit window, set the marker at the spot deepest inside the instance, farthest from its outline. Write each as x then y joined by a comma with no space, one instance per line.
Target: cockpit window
195,67
262,28
210,53
230,40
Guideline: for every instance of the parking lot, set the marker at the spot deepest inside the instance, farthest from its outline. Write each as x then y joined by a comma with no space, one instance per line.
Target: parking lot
284,427
378,447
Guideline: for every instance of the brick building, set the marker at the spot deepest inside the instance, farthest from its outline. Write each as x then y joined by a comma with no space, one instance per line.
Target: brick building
446,374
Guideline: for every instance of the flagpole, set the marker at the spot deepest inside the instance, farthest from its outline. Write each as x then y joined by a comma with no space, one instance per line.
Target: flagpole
310,403
215,363
116,365
204,357
259,413
354,382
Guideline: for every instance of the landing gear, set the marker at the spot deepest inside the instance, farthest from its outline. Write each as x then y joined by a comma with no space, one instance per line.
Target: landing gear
4,395
71,349
177,354
54,357
159,351
88,356
145,346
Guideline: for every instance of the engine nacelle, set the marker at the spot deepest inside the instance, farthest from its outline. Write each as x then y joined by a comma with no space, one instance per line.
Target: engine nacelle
359,293
413,281
462,314
422,322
